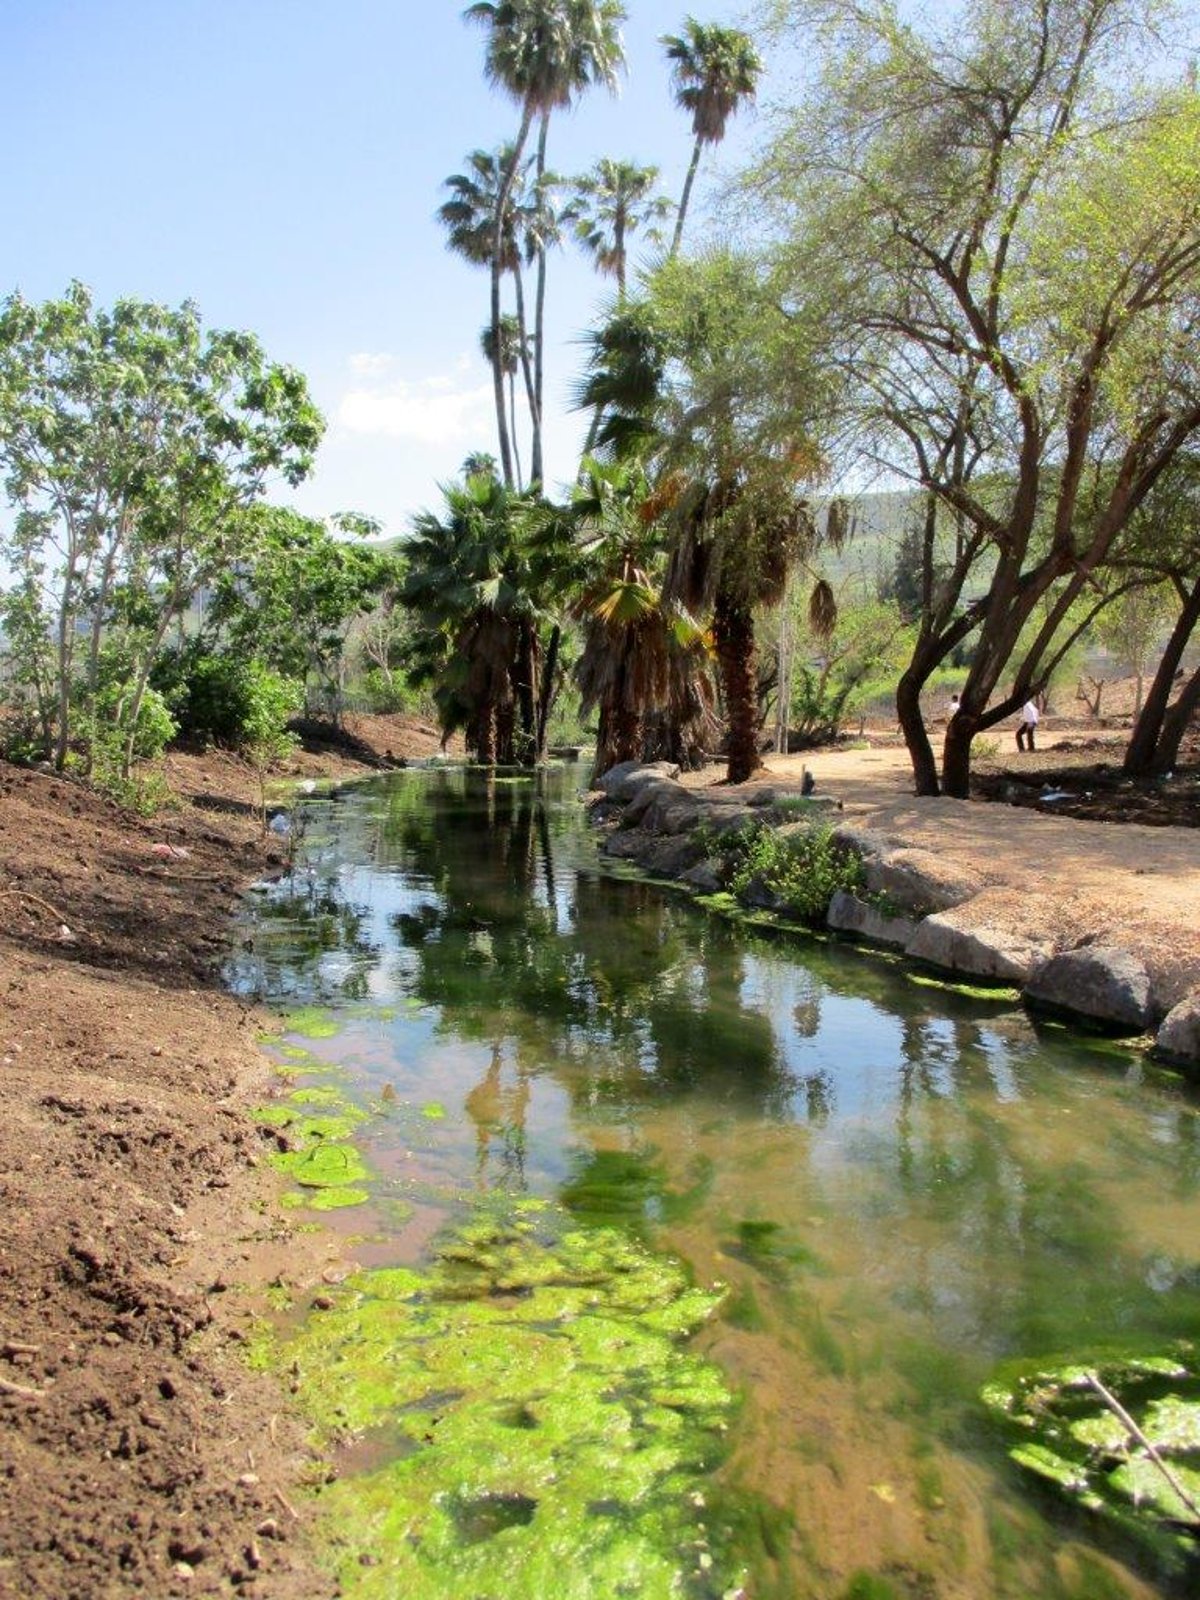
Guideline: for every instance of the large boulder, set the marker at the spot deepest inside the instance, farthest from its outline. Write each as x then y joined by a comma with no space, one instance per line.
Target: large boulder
861,842
916,882
955,942
1101,982
1179,1037
646,797
622,782
848,914
704,877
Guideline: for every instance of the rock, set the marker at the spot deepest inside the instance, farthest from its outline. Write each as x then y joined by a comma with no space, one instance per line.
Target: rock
670,814
1179,1037
917,882
670,858
646,797
849,914
861,842
631,845
703,877
948,940
731,819
622,782
1102,982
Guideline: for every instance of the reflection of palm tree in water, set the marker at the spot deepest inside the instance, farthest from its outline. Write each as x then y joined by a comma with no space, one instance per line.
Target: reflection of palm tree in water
499,1117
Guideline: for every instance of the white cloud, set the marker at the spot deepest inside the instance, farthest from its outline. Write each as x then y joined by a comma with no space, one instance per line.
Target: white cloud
370,364
431,411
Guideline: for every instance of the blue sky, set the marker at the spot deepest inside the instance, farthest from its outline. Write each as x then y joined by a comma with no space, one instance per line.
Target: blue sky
280,163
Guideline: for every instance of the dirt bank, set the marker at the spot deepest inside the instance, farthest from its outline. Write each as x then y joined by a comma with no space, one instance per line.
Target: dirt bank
140,1456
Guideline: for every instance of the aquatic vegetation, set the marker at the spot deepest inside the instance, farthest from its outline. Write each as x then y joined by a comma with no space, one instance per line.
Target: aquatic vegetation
1120,1436
330,1199
548,1427
311,1022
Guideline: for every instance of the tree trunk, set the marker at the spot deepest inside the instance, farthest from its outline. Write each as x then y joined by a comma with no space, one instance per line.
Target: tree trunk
502,199
1175,725
1141,753
536,465
685,197
733,635
916,737
956,758
546,694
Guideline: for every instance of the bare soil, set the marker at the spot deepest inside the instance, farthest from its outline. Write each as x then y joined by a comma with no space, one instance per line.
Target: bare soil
141,1456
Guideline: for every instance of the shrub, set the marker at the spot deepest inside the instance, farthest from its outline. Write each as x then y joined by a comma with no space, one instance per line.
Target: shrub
804,869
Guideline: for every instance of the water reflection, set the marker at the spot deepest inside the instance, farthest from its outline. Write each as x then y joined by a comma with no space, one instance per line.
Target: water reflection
901,1186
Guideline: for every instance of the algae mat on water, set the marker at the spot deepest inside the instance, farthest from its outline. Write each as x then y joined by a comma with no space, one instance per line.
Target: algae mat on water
546,1433
1121,1437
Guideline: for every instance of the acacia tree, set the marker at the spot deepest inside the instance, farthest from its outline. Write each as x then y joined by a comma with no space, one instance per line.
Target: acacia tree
543,54
1006,252
715,70
131,440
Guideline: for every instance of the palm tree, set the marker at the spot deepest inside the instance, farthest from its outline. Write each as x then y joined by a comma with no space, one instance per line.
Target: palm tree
464,588
714,70
514,353
543,53
470,217
611,202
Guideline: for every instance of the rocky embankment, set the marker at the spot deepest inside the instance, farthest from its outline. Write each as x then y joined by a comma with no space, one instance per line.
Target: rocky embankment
775,850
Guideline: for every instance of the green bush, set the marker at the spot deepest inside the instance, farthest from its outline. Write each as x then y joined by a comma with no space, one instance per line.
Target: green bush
804,869
212,694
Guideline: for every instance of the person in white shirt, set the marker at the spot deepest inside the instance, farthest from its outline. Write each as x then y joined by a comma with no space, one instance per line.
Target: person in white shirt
1027,726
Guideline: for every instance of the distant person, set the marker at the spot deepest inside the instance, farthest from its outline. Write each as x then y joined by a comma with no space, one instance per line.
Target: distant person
955,702
1027,726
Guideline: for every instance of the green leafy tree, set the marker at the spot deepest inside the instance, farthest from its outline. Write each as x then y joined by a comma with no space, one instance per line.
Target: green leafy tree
715,70
295,598
543,54
1002,242
132,440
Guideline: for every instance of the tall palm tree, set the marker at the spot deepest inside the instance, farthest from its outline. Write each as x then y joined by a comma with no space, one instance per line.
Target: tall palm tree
470,216
611,202
514,353
714,70
543,53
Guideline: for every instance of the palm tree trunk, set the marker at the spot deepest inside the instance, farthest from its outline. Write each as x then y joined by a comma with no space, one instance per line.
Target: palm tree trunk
685,197
512,415
523,356
536,465
733,636
502,199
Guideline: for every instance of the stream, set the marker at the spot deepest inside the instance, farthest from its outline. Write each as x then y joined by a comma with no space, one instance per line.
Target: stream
687,1252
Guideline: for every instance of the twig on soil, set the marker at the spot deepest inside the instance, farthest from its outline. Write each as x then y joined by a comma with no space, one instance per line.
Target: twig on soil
24,894
287,1505
14,1347
1119,1411
21,1390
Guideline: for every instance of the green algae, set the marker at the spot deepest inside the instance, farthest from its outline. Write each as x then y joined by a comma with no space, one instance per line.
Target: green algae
548,1426
433,1110
324,1166
311,1022
330,1199
1064,1429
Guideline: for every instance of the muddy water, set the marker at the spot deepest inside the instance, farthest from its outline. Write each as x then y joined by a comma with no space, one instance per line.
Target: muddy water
903,1189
